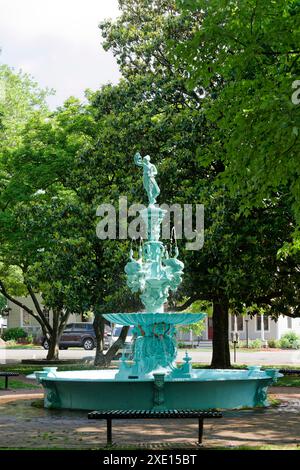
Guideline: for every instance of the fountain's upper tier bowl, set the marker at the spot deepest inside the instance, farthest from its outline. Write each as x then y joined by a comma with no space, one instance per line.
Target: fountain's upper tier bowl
142,318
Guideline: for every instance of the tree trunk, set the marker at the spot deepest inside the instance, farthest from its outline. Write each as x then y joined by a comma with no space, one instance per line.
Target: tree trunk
221,350
99,327
102,359
53,351
116,345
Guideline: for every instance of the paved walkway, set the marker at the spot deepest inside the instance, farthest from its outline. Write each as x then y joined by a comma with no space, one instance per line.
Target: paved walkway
25,426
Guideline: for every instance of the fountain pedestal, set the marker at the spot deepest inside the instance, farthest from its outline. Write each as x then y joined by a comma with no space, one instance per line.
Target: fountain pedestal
155,347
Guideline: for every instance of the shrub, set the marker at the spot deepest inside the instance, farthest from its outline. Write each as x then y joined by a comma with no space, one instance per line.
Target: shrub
255,344
290,340
273,343
30,338
14,334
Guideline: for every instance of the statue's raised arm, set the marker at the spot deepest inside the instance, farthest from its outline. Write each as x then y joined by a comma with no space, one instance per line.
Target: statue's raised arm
149,174
138,159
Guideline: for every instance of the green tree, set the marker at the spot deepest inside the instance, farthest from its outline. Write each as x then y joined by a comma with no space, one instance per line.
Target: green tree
155,107
3,302
33,205
20,99
252,49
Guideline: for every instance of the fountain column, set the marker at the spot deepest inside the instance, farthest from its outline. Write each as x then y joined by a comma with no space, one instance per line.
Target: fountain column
154,273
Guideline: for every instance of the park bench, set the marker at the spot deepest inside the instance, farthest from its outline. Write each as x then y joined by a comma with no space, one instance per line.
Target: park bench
6,375
290,371
109,415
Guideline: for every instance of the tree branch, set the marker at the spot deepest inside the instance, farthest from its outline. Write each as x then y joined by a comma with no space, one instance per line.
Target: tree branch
38,308
18,303
187,304
267,298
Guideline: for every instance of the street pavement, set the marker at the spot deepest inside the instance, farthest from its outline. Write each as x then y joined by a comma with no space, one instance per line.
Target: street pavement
269,357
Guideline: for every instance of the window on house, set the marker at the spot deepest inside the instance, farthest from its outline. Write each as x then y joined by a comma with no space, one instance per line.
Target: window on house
258,322
239,322
46,313
289,322
25,318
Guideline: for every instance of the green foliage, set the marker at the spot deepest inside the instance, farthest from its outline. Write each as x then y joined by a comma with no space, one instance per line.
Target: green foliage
20,100
14,334
18,384
65,164
255,344
273,343
288,382
154,107
197,328
290,340
246,56
3,302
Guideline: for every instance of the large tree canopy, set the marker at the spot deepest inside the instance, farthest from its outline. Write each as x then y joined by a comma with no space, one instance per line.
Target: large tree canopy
251,48
64,166
157,107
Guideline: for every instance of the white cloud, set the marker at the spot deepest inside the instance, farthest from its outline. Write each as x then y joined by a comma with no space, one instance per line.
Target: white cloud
58,42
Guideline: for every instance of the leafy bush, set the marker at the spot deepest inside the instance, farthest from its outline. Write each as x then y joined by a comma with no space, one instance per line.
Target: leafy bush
296,344
290,340
273,343
30,338
14,334
255,344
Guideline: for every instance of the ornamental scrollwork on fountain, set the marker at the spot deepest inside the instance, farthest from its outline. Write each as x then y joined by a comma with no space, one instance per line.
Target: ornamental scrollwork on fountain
158,395
261,397
52,399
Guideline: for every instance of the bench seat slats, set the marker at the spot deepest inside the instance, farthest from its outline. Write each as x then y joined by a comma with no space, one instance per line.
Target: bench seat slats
152,414
9,374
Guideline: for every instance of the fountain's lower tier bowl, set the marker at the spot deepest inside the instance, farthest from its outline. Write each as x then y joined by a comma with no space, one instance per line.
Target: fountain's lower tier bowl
207,389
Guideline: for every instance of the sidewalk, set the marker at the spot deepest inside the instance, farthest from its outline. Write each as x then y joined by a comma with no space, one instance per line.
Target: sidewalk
24,426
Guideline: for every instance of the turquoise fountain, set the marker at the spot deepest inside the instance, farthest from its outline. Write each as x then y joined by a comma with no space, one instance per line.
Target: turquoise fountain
152,380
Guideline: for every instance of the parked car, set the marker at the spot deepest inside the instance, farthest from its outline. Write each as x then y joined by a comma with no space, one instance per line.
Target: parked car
80,335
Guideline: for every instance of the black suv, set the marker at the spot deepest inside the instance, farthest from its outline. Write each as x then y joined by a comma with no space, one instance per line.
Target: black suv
76,335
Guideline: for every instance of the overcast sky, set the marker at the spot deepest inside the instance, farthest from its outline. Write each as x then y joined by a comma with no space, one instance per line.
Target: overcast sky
58,42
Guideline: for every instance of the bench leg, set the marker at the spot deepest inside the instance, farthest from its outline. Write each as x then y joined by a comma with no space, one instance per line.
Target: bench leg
109,431
6,382
200,431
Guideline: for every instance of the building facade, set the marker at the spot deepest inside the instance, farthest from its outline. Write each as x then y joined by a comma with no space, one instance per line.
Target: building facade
258,327
19,318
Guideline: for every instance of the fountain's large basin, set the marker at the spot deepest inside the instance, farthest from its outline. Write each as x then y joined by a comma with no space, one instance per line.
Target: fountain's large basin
206,389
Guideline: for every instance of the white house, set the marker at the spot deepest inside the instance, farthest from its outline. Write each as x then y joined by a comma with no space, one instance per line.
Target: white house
18,317
259,326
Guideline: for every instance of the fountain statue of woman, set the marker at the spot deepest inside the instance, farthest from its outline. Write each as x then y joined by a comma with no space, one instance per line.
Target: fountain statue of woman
149,174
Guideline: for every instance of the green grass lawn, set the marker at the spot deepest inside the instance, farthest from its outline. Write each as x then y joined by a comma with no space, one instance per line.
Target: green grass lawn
26,369
209,349
288,381
15,384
